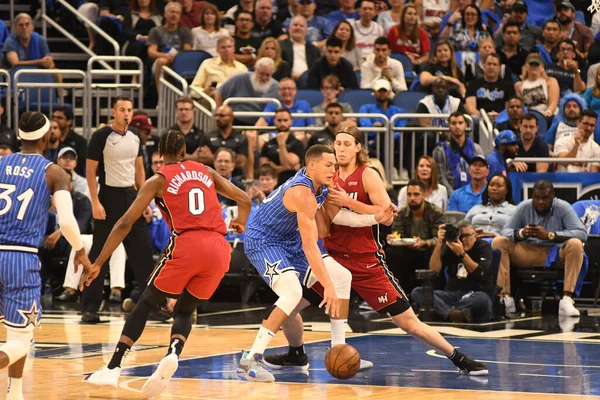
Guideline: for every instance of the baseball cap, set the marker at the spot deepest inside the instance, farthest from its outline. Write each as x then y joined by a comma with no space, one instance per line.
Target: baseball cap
533,57
141,122
506,137
565,4
520,6
479,157
6,141
66,150
382,84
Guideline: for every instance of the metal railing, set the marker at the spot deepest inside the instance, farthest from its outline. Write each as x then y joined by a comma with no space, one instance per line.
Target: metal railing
100,94
167,94
263,100
207,107
46,95
556,160
5,82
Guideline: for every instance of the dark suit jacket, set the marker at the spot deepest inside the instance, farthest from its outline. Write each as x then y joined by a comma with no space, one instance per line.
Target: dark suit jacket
287,53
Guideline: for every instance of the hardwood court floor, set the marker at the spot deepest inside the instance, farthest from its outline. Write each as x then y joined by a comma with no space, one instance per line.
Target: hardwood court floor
549,366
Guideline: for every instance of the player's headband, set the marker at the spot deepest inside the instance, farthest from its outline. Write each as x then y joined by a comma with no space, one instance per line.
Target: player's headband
35,135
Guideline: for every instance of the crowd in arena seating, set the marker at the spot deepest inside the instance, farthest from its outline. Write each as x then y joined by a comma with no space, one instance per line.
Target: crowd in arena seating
466,56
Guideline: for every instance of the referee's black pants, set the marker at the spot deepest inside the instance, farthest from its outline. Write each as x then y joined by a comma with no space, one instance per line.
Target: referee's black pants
137,244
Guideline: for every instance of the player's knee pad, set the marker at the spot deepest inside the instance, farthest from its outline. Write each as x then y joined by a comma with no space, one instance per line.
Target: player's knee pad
18,343
288,288
340,277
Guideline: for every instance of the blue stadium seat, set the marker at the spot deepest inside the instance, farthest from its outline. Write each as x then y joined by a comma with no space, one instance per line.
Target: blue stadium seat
43,98
409,73
356,98
314,97
303,80
408,100
186,63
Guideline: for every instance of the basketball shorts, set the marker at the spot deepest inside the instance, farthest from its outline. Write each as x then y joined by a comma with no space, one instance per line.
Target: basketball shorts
373,282
272,259
20,289
195,261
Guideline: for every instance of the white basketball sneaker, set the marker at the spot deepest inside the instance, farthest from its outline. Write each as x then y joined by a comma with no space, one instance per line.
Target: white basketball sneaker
509,305
105,377
566,307
159,380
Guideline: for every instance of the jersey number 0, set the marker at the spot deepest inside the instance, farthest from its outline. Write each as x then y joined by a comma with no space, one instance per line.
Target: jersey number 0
24,198
196,201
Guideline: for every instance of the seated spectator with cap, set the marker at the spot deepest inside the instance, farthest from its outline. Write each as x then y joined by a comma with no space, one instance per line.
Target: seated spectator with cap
382,91
467,197
532,145
143,124
67,160
500,159
529,33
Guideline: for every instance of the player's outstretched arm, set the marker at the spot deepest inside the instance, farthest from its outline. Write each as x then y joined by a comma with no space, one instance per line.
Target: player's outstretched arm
229,190
342,216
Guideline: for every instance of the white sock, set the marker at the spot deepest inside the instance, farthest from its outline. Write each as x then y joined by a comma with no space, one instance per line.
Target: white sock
15,389
261,342
338,331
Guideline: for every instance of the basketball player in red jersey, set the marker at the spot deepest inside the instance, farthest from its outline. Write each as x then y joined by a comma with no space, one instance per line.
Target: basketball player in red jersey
193,263
360,189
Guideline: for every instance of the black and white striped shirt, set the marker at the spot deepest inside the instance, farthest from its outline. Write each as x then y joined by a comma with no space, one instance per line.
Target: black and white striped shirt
116,154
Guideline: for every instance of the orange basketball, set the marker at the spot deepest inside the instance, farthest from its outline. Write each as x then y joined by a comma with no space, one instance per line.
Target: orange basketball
342,361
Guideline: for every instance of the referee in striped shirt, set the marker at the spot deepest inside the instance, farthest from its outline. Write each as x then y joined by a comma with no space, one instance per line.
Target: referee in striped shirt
115,157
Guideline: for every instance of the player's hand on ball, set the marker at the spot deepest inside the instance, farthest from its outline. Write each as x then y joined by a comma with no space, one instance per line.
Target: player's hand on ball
330,300
237,226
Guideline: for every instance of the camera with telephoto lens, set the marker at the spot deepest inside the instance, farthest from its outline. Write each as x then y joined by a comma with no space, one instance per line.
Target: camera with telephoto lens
451,233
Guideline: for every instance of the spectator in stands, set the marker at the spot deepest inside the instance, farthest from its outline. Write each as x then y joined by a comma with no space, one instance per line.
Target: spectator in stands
319,27
331,89
290,11
566,70
439,102
334,115
214,71
299,53
8,138
500,159
266,183
164,42
418,219
365,29
112,16
580,145
345,33
141,18
548,48
453,19
26,48
467,263
496,208
473,30
224,165
443,65
468,196
490,93
538,90
149,142
246,46
209,31
382,91
565,121
529,33
194,136
332,63
265,26
270,48
472,64
580,34
409,38
532,145
68,138
434,192
511,53
287,96
346,12
67,160
190,13
284,152
380,65
591,95
6,145
259,83
242,5
52,148
388,19
157,162
516,110
430,14
454,155
539,226
225,137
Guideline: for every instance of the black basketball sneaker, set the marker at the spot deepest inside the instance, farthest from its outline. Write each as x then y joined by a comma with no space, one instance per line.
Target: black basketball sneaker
287,360
469,366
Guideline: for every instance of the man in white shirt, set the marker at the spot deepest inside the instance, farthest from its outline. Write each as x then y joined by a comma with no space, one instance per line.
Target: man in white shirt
299,53
365,30
580,145
379,65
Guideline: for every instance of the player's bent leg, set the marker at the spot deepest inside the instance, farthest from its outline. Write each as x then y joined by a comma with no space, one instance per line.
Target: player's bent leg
14,354
409,323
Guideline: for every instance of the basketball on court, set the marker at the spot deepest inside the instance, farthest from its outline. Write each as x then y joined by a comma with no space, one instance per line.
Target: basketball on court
342,361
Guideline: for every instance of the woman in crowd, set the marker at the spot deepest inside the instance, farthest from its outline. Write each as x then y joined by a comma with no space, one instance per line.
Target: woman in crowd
143,16
409,38
592,95
467,34
343,31
443,65
496,208
428,173
539,91
391,17
331,89
270,48
209,31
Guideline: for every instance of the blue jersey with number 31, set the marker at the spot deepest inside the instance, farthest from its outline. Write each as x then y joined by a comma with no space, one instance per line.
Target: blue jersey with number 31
24,199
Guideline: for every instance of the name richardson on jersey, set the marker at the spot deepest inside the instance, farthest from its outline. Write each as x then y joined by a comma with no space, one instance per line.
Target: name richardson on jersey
186,176
19,171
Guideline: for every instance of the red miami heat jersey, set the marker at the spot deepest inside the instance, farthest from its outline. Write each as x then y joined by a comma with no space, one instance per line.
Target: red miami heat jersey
189,200
344,239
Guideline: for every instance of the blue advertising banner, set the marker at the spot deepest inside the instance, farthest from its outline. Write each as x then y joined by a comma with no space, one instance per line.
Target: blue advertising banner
570,187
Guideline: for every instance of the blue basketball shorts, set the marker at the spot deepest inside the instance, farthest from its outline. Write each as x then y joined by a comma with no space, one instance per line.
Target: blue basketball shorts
273,259
20,289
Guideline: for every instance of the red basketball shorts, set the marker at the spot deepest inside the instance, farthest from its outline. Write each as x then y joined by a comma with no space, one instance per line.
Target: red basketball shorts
195,261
